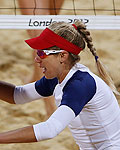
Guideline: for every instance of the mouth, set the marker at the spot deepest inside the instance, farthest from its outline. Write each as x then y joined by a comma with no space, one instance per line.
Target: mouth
44,69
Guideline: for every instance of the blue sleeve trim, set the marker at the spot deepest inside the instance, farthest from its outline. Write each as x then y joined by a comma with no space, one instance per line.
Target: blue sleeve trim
78,91
45,87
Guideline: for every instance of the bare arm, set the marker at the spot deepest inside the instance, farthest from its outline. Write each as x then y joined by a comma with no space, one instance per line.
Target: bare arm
7,92
23,135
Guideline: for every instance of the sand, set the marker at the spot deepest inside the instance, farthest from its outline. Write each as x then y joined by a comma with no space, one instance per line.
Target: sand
16,64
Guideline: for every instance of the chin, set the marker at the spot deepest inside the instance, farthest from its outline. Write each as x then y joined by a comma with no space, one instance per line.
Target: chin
49,77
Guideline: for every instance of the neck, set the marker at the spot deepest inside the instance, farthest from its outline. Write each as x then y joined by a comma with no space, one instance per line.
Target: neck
63,74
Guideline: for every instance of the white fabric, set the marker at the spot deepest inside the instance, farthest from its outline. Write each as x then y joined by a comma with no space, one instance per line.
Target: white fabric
97,127
98,124
55,124
26,93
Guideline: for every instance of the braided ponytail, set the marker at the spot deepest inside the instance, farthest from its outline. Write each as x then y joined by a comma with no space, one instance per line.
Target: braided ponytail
101,69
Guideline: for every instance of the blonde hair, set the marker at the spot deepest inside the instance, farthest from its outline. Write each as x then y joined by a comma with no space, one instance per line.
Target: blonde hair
68,32
79,37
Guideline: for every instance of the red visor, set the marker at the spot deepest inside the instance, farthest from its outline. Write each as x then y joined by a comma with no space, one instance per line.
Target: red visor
49,39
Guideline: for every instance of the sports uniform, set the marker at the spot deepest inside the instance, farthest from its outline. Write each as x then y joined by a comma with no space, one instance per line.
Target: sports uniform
86,104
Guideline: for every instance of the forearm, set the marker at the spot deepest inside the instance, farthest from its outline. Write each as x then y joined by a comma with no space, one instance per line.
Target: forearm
7,92
23,135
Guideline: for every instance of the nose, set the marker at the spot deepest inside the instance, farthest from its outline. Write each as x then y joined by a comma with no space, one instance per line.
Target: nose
38,59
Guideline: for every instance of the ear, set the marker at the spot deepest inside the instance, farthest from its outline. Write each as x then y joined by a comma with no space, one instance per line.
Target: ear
63,56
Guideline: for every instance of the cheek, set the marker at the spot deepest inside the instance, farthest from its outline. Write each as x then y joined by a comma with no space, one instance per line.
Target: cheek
52,61
53,66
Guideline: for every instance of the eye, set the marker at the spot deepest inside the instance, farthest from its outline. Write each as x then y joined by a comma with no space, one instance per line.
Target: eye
40,53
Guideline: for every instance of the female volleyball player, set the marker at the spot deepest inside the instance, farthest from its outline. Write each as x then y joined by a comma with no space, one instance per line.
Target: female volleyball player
40,7
86,104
